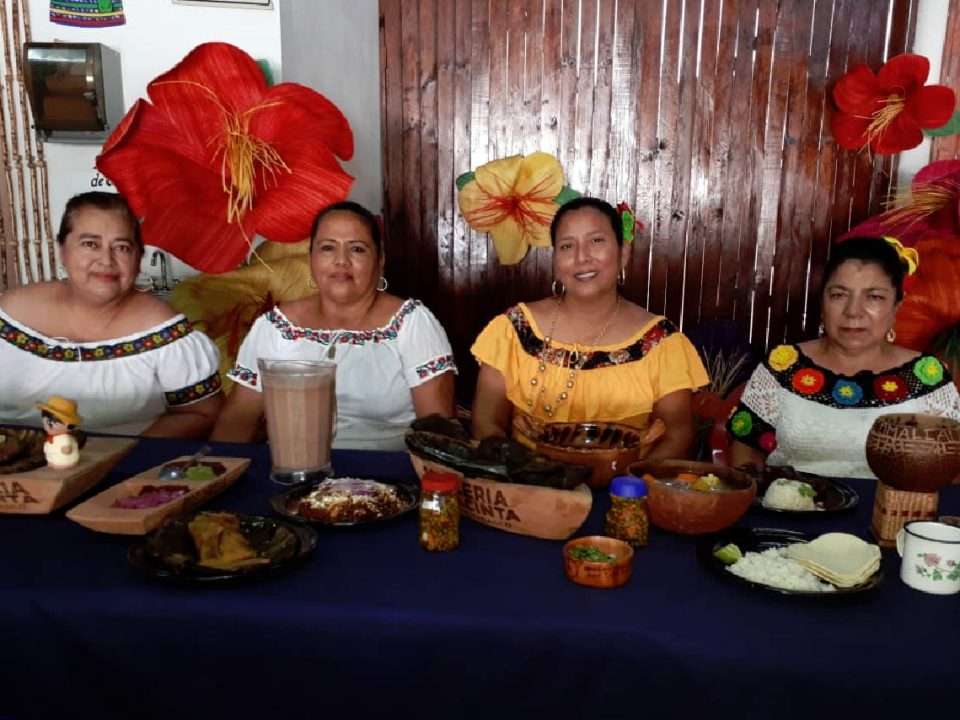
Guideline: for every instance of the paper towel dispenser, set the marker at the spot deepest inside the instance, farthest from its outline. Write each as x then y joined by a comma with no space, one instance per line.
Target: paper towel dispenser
75,90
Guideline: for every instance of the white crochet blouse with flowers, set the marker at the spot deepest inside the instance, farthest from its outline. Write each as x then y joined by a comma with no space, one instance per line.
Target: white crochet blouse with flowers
375,368
817,421
121,386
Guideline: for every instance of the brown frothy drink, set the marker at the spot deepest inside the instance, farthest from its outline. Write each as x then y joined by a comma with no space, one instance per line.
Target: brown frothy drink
299,399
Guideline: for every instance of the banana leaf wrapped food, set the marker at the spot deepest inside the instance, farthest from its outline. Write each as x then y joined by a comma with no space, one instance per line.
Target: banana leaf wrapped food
494,458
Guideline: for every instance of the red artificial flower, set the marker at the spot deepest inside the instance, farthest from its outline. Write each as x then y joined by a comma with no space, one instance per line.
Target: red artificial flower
931,212
808,381
888,110
216,157
890,388
767,442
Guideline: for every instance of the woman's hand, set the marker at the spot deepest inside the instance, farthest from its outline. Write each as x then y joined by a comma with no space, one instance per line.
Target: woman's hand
491,408
187,421
741,455
242,417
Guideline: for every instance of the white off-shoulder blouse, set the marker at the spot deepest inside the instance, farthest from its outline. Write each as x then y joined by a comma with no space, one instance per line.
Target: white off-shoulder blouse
376,369
121,386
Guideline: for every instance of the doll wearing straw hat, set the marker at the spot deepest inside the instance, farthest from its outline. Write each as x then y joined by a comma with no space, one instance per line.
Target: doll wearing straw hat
59,418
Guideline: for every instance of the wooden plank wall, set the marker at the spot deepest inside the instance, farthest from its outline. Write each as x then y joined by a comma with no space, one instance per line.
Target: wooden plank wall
710,117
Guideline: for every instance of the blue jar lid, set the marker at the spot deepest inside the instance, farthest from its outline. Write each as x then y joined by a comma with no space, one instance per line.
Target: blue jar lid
626,486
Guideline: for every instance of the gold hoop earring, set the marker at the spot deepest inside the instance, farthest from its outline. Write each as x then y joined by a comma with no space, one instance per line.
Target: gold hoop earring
622,277
382,284
553,288
821,330
891,335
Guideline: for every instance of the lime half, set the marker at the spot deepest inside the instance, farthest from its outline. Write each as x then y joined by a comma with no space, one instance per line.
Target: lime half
728,554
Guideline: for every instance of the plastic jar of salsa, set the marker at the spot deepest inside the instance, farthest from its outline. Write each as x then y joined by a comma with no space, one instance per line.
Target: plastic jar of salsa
627,518
439,511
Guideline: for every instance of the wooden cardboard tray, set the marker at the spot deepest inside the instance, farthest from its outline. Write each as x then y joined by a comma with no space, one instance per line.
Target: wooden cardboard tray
97,513
43,490
541,512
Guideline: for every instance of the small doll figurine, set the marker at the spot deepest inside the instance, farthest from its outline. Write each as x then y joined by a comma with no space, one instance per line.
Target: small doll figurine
59,417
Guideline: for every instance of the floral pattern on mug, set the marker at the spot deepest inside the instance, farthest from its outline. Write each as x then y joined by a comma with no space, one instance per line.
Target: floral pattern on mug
930,567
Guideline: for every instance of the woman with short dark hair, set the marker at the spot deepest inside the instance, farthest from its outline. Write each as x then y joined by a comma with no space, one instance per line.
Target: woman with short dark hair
132,365
811,405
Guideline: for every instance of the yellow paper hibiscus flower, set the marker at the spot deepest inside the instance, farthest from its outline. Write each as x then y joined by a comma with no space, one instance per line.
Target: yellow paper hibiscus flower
224,306
514,199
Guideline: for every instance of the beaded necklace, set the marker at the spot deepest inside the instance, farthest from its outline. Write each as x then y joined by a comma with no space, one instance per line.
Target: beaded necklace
575,361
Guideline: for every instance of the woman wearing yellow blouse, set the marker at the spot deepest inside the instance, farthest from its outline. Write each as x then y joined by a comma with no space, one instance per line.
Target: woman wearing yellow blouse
586,353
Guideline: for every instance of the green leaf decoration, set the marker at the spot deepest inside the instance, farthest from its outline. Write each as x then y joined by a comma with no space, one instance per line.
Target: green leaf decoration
566,195
267,72
464,179
951,128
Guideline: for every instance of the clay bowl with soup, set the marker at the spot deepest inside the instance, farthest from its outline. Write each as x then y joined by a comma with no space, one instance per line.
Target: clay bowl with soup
607,448
692,498
914,452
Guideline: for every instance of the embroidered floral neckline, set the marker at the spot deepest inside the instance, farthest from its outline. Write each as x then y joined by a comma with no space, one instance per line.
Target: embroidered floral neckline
35,343
655,332
796,372
289,331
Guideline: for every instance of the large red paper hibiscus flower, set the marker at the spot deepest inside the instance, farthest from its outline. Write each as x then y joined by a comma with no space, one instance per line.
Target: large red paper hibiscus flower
216,157
888,110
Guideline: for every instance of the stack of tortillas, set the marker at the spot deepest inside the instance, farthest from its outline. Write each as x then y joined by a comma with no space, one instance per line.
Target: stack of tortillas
841,559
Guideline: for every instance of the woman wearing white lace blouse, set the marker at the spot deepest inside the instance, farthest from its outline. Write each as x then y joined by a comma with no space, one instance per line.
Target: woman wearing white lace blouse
811,405
394,362
132,365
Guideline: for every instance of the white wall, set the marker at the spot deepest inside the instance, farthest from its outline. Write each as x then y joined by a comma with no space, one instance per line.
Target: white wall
928,41
156,36
333,46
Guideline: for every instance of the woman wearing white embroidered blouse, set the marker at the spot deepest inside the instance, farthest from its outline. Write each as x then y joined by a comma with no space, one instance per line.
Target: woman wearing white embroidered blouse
132,365
394,362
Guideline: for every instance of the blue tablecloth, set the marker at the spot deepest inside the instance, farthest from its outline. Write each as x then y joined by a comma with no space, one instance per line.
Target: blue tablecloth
373,624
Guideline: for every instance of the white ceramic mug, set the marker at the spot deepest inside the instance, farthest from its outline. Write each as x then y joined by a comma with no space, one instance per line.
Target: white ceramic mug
931,556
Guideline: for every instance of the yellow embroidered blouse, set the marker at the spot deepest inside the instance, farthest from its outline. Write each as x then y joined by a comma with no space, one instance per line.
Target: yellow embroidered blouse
617,383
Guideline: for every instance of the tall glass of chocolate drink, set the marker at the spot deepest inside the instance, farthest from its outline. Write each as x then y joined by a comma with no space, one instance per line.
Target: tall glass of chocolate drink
300,404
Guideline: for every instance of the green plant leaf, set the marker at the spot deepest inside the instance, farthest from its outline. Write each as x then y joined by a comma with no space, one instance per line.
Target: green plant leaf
951,128
464,179
566,195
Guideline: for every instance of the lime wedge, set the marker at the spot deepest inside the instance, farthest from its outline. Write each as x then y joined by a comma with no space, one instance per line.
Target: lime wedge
728,554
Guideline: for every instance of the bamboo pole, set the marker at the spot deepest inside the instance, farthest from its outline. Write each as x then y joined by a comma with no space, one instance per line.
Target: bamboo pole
30,242
44,227
31,142
11,249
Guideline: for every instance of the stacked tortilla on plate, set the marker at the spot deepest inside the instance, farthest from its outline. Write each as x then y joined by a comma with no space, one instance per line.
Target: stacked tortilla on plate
839,558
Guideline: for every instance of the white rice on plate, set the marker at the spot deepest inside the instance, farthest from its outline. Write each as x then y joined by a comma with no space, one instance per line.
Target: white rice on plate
787,494
771,567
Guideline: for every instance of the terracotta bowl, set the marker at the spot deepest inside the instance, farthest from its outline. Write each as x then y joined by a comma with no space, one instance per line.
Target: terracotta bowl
599,574
607,448
916,453
675,506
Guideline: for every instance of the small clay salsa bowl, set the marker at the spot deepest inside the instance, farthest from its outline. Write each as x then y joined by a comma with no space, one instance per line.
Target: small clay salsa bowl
913,452
606,448
674,505
600,574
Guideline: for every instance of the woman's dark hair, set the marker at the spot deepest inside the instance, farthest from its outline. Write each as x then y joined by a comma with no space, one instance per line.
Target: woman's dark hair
101,201
367,217
601,206
869,250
